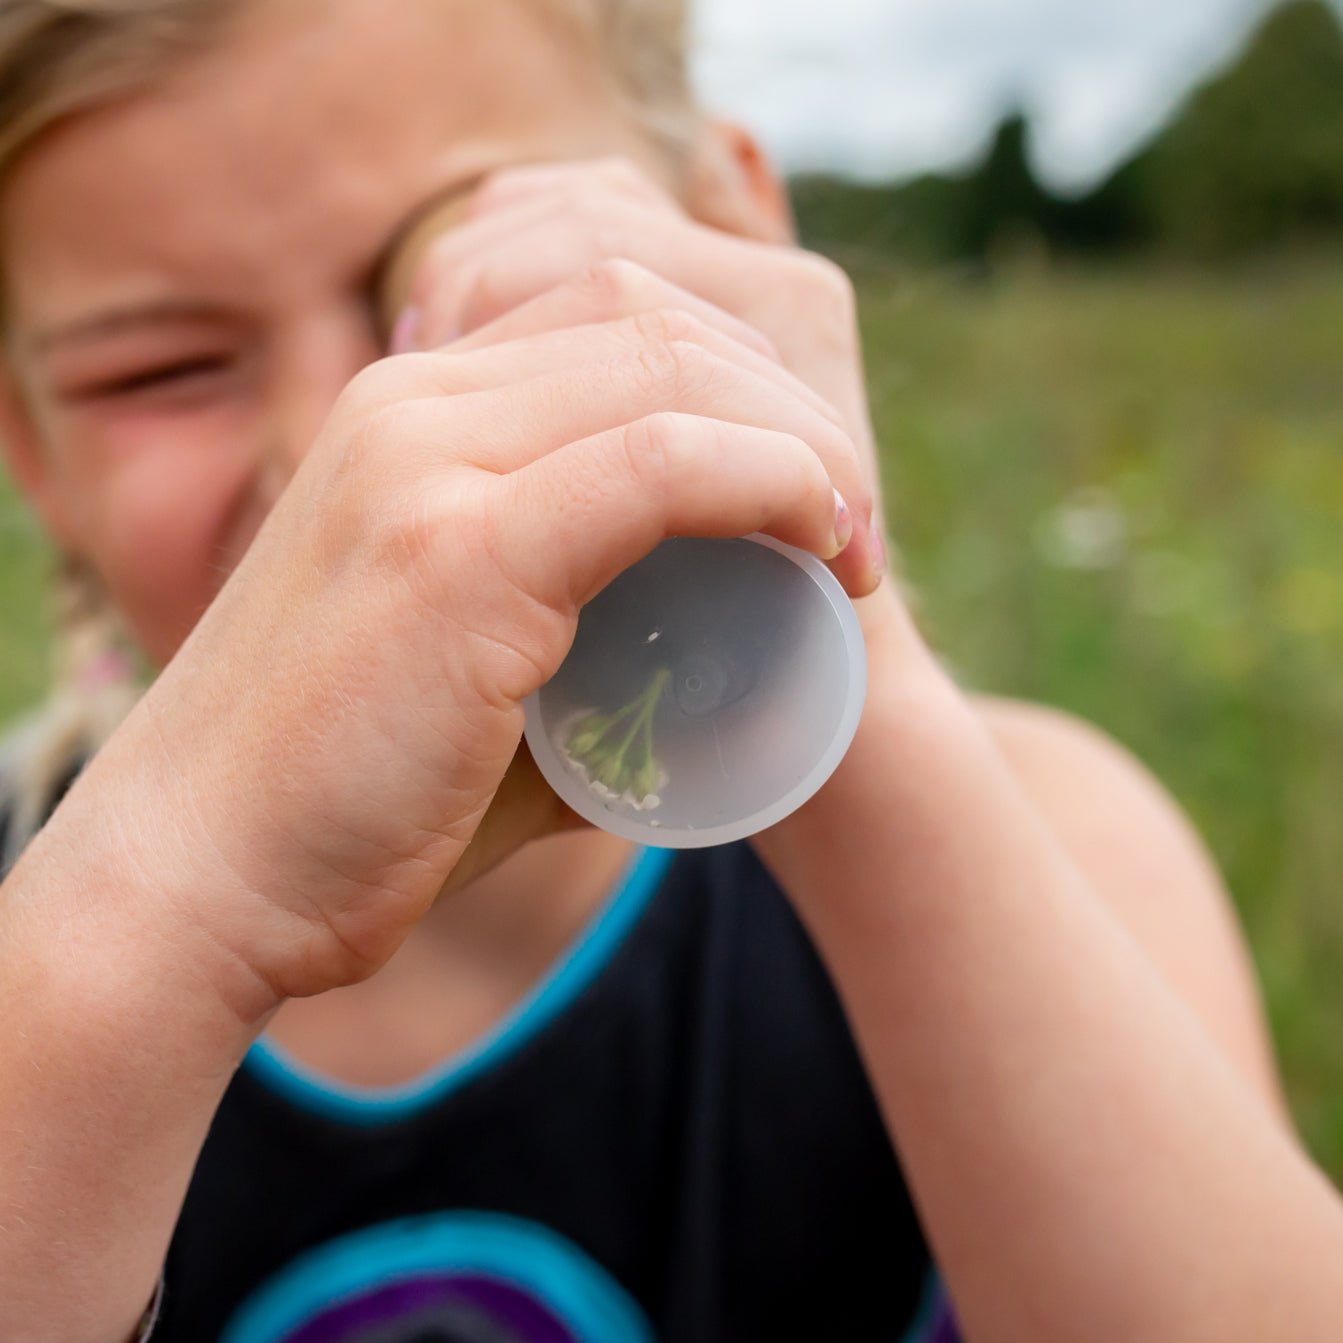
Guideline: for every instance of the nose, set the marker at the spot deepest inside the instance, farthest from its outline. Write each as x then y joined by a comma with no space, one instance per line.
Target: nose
310,367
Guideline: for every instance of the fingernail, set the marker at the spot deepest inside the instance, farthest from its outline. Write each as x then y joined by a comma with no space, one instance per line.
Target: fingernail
406,332
878,551
843,523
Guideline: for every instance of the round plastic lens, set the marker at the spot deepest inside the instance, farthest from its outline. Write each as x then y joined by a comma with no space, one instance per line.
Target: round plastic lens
711,689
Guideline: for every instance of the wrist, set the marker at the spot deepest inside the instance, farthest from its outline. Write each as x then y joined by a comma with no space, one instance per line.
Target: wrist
916,726
125,1028
121,907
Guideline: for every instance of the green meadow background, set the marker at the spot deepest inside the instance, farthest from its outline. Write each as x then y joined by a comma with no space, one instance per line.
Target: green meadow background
1119,491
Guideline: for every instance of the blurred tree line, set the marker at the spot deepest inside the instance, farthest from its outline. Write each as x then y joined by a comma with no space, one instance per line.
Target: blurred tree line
1253,160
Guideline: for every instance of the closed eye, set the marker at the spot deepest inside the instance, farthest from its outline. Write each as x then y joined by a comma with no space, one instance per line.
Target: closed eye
176,376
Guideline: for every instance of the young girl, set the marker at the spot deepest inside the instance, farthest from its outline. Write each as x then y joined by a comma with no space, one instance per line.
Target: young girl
591,1092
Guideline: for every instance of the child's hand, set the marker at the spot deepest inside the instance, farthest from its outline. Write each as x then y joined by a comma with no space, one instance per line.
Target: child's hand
529,231
308,770
547,247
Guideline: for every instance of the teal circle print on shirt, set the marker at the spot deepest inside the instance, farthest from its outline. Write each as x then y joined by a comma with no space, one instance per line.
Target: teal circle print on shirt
460,1277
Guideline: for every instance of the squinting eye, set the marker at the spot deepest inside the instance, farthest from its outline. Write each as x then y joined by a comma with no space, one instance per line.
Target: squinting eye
184,376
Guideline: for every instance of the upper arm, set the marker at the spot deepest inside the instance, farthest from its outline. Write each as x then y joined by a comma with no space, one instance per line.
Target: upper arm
1145,860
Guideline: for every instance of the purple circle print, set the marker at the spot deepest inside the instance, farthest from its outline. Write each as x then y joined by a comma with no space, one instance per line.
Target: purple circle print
437,1309
461,1277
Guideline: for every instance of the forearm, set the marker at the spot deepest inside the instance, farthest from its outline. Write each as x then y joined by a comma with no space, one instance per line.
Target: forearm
1086,1162
117,1046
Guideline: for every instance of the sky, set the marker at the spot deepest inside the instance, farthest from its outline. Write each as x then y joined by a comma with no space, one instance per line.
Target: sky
886,88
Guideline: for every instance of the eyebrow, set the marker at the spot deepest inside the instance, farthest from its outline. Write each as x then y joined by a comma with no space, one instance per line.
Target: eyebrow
114,321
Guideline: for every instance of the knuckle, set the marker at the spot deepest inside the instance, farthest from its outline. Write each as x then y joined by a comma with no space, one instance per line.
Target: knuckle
415,535
829,277
367,444
655,365
375,387
668,325
699,370
613,285
830,286
404,537
677,370
648,447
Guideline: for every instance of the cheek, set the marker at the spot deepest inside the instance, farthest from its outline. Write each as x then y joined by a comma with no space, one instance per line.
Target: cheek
162,531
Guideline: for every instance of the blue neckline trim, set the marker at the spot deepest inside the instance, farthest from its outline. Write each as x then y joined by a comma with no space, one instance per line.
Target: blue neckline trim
560,987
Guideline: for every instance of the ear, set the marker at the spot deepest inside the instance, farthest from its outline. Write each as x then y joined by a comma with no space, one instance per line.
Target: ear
731,184
27,465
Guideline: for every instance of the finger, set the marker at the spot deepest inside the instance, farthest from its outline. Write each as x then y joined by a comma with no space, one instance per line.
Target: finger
804,302
455,372
523,809
475,279
575,394
459,372
584,514
607,291
512,426
767,285
611,176
540,203
438,270
466,283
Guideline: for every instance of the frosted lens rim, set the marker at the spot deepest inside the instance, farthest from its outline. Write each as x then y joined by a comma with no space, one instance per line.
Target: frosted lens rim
571,790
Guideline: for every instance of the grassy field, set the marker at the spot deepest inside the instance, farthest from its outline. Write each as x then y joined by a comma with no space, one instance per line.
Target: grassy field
24,625
1122,494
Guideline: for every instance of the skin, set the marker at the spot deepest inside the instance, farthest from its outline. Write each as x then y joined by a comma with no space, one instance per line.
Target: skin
1020,925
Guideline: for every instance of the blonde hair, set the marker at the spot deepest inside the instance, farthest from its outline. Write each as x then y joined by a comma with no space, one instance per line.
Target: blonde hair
62,57
644,44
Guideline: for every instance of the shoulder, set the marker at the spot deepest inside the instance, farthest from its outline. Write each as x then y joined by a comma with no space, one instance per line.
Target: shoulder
1097,796
1146,862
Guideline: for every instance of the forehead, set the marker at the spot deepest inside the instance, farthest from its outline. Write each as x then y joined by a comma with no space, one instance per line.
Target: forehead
294,144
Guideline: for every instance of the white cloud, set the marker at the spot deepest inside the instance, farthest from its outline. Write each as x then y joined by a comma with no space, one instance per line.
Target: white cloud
889,87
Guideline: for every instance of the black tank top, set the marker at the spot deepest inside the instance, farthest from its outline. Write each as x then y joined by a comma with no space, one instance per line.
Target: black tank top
671,1139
